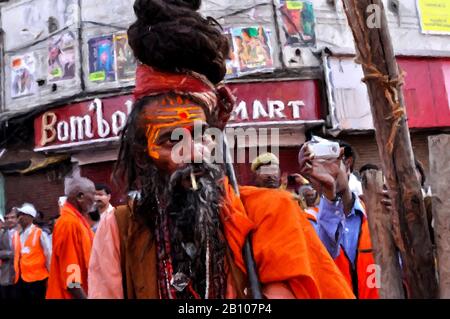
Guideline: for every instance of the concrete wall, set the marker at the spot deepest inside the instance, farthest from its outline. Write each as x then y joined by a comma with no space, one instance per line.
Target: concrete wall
25,23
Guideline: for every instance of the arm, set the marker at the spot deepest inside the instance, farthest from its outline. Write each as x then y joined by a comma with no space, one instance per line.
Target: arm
105,272
328,178
77,293
6,254
330,224
47,247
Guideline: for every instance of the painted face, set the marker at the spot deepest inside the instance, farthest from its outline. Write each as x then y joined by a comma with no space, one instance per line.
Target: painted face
160,119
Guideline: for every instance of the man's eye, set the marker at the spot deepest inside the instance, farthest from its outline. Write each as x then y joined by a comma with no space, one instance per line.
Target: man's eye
169,142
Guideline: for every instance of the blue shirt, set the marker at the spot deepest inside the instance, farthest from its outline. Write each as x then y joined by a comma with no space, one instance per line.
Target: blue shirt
336,230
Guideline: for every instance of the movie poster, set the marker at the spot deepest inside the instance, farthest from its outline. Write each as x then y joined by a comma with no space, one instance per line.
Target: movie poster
23,75
101,59
125,60
232,62
252,49
298,22
61,57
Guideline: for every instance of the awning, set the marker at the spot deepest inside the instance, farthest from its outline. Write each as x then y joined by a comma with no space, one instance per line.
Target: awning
37,164
28,162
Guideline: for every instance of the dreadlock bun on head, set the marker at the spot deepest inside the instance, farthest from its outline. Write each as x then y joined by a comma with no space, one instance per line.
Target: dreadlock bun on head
171,35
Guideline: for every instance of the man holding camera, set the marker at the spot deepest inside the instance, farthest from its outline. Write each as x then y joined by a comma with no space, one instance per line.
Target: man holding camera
342,221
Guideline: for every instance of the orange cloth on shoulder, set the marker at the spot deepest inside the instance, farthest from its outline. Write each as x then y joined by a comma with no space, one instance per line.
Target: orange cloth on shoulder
285,245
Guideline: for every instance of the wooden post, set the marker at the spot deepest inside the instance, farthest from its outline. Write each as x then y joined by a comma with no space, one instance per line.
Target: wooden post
383,245
368,22
439,147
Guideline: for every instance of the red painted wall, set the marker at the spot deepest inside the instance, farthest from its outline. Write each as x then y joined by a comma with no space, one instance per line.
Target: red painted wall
426,94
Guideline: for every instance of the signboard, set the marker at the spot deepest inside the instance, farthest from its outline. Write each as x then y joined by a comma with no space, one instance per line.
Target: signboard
82,123
434,16
275,103
298,23
102,120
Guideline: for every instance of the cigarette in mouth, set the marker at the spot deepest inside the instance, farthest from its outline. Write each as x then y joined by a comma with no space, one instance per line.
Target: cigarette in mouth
194,182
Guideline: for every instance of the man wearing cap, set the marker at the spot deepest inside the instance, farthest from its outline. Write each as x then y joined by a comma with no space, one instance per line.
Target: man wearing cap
32,255
266,169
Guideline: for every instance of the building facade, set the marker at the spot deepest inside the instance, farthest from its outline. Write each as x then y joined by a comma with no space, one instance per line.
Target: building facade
67,77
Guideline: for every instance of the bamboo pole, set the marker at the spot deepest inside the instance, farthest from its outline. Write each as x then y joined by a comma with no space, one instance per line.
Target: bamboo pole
439,147
384,250
384,82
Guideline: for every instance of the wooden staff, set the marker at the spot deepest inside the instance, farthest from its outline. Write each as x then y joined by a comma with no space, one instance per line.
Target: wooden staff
384,250
247,250
440,176
384,82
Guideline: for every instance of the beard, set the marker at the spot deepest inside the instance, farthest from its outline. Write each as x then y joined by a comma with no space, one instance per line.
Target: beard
188,231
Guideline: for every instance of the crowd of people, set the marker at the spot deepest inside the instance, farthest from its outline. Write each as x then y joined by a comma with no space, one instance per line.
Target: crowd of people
182,233
87,247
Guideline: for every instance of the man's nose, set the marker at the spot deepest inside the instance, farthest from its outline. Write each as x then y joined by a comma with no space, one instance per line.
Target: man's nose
199,152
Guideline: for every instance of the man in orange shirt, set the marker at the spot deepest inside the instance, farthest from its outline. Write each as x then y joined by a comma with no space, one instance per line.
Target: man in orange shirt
72,242
32,255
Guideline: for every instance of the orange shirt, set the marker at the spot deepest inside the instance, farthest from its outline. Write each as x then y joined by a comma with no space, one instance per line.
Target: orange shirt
72,243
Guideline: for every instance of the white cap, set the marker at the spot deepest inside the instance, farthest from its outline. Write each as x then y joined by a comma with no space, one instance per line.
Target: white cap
28,209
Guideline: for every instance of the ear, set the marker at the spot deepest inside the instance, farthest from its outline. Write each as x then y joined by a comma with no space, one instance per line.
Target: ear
341,154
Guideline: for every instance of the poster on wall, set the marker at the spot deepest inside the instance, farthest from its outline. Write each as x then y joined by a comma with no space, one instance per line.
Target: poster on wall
232,62
61,57
101,59
125,60
25,22
23,75
298,22
252,49
434,16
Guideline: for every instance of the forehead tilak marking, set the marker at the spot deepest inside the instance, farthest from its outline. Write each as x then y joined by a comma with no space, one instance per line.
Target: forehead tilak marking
168,115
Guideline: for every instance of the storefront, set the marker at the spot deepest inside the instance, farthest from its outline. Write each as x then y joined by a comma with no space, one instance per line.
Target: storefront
427,96
278,112
89,132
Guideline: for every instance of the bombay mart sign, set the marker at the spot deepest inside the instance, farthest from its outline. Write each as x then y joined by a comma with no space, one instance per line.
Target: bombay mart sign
102,120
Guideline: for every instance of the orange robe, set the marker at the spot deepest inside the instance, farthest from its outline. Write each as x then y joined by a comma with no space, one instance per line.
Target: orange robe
72,243
292,262
287,250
